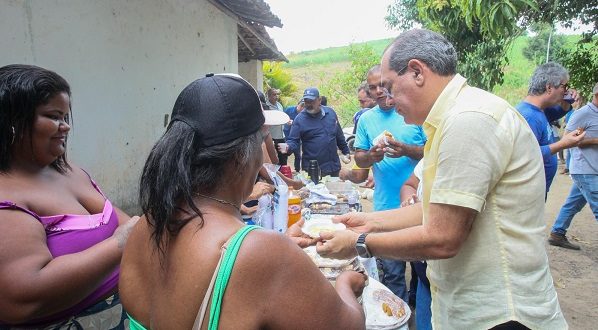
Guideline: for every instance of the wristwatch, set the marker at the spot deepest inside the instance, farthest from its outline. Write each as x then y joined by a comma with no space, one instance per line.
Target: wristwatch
361,247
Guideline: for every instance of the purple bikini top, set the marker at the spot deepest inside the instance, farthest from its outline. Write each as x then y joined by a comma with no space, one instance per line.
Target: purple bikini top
72,233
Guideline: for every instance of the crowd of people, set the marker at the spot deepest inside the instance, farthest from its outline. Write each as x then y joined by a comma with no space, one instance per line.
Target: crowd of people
460,191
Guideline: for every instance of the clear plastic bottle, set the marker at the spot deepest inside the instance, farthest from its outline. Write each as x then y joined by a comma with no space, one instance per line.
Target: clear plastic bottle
352,199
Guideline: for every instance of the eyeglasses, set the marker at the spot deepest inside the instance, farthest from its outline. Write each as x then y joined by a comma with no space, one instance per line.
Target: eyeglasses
565,86
385,91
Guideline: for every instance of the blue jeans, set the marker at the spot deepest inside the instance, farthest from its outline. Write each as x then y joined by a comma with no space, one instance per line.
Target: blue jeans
423,312
394,277
584,190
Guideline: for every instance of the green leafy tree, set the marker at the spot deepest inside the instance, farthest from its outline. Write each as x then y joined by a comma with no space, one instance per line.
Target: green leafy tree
582,63
341,90
483,30
582,59
477,29
537,46
276,76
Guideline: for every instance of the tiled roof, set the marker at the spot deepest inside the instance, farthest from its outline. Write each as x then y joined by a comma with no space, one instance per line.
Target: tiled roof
253,39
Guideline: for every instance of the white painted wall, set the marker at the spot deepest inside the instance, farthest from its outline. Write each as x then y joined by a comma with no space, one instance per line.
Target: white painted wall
126,62
253,72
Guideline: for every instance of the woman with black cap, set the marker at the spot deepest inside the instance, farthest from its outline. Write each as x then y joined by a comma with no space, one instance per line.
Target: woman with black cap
191,262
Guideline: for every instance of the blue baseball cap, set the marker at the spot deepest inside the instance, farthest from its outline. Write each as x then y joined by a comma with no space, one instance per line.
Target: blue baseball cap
311,93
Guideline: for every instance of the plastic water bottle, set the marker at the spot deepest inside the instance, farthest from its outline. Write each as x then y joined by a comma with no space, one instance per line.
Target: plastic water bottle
264,215
352,199
281,208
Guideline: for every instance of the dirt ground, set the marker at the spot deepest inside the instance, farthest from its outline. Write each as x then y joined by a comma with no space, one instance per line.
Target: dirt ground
575,273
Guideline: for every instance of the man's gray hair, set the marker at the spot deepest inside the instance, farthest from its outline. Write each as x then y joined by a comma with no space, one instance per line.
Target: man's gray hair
363,87
550,73
429,47
595,90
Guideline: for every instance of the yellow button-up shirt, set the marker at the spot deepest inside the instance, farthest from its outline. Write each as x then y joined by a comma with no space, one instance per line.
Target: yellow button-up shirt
481,154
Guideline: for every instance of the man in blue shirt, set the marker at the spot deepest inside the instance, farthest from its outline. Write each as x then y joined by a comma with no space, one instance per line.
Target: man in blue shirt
293,111
317,132
391,164
547,89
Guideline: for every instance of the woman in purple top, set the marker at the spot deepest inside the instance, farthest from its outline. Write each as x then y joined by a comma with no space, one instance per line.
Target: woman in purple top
61,238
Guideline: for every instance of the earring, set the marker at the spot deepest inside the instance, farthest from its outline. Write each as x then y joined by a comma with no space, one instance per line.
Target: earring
13,135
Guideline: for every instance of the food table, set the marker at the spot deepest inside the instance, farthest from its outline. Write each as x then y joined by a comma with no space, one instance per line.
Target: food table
383,309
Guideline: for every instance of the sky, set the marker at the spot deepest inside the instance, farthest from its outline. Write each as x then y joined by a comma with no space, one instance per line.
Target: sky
314,24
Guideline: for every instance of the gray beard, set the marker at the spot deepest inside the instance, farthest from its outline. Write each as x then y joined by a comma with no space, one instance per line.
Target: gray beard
313,111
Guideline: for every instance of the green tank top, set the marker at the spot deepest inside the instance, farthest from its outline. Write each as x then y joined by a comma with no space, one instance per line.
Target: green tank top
224,273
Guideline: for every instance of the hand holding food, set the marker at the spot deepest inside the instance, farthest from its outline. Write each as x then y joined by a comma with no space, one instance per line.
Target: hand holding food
571,139
318,225
339,244
383,139
395,149
376,153
355,221
295,233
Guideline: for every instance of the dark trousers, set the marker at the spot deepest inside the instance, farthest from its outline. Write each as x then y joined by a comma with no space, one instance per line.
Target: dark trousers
297,164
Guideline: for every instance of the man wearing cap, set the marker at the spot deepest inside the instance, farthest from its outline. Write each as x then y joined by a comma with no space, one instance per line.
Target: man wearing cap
584,172
317,132
391,168
544,103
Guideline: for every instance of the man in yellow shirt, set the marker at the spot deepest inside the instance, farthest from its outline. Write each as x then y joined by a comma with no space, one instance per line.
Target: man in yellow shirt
480,224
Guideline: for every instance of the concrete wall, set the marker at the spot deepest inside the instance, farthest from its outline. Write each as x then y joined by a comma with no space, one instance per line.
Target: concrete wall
126,62
253,72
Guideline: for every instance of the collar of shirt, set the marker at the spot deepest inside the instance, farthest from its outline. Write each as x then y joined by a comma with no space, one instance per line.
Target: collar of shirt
444,102
592,106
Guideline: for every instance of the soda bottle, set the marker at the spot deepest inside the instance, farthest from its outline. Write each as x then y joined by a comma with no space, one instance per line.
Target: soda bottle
294,208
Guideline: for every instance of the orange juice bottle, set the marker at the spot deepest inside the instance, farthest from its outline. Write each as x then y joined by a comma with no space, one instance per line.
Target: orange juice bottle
294,208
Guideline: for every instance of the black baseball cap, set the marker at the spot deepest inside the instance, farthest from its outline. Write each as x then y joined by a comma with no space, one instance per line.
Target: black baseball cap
222,108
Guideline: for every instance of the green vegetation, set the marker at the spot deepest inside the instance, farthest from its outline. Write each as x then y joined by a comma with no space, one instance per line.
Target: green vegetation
483,31
319,67
331,55
276,76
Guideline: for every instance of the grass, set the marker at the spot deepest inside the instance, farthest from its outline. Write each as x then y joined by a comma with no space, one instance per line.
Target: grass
330,55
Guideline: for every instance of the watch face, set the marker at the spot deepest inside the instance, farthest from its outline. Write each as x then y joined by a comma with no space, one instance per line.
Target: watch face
362,250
